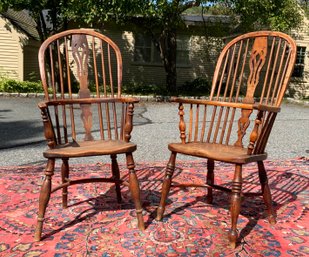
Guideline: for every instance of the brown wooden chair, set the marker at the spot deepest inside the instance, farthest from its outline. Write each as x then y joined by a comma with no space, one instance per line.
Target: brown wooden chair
251,76
84,124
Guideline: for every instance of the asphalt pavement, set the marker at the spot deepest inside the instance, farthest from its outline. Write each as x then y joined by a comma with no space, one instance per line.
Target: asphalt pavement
156,124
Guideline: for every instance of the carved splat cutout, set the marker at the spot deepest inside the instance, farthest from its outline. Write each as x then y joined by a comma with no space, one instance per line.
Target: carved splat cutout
80,52
256,63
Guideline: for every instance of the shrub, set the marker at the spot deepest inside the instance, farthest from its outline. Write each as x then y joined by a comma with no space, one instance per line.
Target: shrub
197,87
144,89
15,86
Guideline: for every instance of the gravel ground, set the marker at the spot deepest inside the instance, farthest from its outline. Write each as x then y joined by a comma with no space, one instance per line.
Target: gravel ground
156,124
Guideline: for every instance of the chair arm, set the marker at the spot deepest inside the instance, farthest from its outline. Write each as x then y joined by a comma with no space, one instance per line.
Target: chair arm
42,105
264,107
215,103
92,101
129,100
48,127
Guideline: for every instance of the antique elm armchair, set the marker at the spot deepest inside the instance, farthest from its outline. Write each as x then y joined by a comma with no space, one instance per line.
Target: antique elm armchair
86,124
250,79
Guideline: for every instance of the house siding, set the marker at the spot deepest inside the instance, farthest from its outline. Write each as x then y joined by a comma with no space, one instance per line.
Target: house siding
154,74
18,53
299,87
9,54
134,72
30,57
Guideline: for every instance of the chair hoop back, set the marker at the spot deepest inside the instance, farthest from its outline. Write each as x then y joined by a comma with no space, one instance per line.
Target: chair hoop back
256,66
80,56
81,73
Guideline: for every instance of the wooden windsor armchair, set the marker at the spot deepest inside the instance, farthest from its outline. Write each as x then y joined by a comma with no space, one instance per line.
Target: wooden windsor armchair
89,124
251,76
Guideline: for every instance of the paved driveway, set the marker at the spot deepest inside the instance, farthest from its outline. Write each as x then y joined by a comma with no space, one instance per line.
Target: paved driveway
156,124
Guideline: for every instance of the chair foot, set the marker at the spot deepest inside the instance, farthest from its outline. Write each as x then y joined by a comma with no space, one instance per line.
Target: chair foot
135,191
44,198
233,235
210,180
266,193
209,198
160,212
65,177
235,204
140,220
38,230
166,185
64,201
116,175
272,219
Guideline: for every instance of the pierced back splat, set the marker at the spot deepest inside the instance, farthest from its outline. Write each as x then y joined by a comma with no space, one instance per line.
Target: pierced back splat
80,52
256,63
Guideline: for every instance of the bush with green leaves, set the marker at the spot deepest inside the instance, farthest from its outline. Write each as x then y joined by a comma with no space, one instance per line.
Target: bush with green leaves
15,86
197,87
144,89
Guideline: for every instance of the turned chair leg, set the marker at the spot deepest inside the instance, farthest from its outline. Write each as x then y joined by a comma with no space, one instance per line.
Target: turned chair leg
266,193
44,197
116,175
210,179
65,177
235,204
166,185
135,191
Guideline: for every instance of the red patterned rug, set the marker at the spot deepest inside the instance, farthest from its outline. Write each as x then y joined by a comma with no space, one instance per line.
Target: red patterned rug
95,225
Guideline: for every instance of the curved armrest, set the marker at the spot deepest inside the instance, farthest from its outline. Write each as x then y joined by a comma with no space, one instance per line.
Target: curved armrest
214,103
91,101
42,105
129,100
264,107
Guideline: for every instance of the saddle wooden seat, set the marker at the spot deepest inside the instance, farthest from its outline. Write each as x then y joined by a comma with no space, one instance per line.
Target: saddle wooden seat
224,153
90,148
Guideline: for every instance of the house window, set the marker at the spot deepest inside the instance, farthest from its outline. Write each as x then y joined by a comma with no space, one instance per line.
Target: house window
146,52
183,46
300,62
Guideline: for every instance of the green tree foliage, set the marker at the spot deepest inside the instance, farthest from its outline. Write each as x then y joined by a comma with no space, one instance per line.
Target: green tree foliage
50,15
160,18
280,15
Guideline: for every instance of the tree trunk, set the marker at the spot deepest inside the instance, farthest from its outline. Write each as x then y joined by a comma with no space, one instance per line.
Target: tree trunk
168,50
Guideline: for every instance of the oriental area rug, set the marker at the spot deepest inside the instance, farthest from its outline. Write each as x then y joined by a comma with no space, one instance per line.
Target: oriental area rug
94,224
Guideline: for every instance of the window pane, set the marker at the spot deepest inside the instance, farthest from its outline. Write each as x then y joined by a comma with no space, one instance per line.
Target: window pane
142,54
183,46
183,57
298,71
156,55
142,48
301,51
300,62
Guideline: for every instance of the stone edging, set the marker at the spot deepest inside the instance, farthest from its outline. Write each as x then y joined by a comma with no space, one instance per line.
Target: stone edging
297,101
